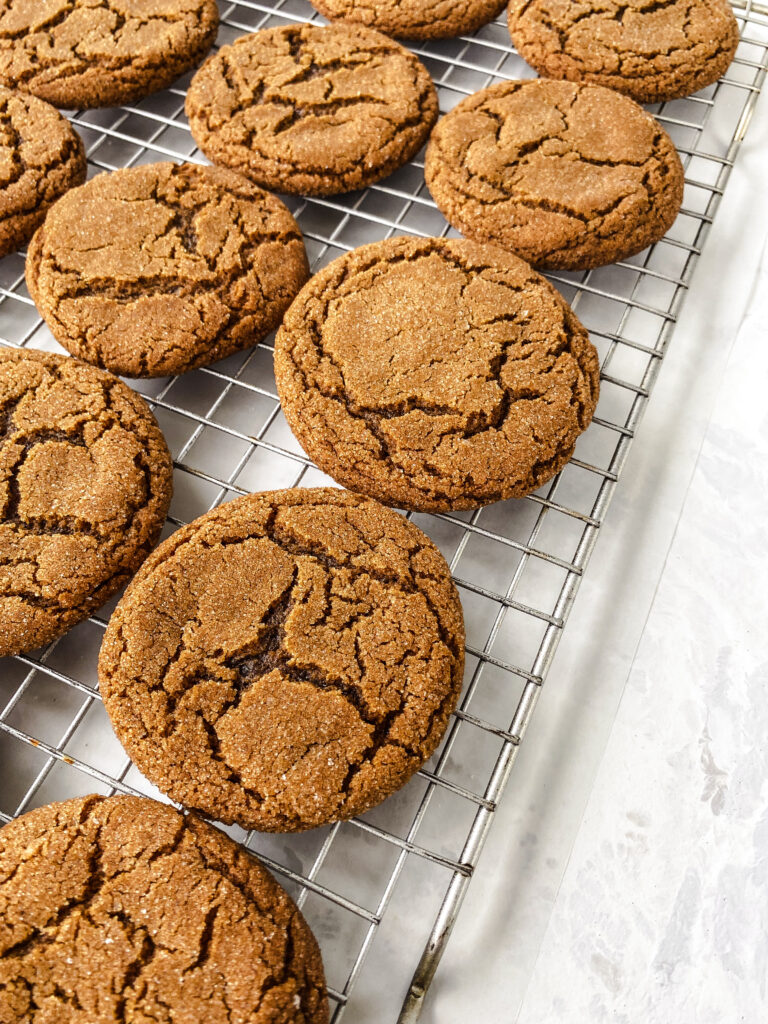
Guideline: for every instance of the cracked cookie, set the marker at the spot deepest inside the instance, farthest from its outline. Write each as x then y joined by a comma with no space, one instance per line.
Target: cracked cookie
41,156
414,19
122,909
310,109
287,660
85,483
101,53
566,175
435,374
161,268
652,50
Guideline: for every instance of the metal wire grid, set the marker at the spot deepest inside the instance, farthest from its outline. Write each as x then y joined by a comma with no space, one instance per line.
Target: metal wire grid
393,880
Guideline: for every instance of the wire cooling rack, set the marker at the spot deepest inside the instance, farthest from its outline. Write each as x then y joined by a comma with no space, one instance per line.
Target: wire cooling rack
382,892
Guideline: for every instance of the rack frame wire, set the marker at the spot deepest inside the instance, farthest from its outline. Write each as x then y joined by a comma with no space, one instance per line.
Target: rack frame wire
518,565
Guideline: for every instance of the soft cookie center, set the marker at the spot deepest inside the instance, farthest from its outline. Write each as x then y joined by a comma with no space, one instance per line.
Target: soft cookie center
423,333
582,150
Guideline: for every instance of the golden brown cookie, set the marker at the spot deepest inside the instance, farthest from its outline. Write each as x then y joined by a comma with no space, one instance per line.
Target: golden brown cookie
85,483
651,50
435,374
41,156
311,109
286,660
414,19
566,175
164,267
121,909
101,53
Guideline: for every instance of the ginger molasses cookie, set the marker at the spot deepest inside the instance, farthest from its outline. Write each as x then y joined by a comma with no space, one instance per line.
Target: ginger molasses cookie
101,53
122,909
435,374
41,156
414,19
649,50
286,660
312,109
564,174
161,268
85,483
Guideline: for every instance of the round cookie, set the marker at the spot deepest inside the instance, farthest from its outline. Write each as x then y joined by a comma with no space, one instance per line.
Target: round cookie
414,19
122,909
41,156
649,50
287,660
310,109
566,175
435,374
85,483
161,268
81,53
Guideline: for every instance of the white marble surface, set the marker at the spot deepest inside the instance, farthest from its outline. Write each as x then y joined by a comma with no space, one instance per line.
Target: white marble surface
625,875
662,914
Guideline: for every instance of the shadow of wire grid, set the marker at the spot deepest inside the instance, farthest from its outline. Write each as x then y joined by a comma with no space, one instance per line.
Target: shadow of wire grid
381,892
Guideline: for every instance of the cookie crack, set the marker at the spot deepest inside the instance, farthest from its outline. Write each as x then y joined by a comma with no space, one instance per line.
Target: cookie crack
46,934
398,127
270,652
60,524
400,136
617,14
374,416
235,279
82,77
12,142
214,862
233,894
118,547
461,179
53,19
